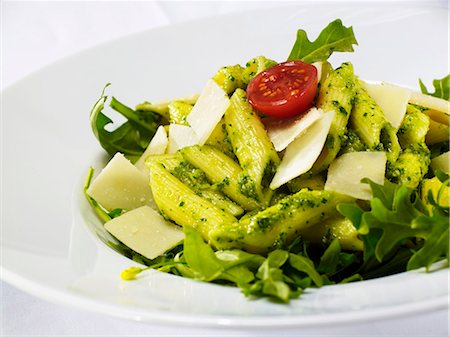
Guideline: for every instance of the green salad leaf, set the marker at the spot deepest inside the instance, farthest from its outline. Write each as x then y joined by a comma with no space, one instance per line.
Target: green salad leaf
304,264
436,242
395,219
280,276
200,257
436,223
441,88
132,137
396,216
330,259
271,279
333,38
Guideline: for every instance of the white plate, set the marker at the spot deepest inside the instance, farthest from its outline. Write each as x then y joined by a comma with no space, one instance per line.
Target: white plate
49,245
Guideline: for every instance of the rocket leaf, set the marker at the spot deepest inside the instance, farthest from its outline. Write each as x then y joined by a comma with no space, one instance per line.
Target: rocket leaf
130,138
333,38
441,88
398,213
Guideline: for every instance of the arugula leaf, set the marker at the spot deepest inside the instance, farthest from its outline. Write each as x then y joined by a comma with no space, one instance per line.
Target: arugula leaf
240,274
305,265
115,213
385,193
436,243
200,257
334,37
271,276
254,274
437,224
330,259
239,266
395,222
352,278
333,263
398,214
277,258
391,213
354,213
441,88
132,137
202,263
234,257
395,263
370,237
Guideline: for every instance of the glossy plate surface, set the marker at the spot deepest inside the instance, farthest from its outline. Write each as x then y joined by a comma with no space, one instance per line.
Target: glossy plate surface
50,238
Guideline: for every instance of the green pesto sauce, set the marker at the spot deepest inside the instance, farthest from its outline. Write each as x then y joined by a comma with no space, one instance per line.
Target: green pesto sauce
221,185
190,176
329,143
286,208
351,142
247,186
269,172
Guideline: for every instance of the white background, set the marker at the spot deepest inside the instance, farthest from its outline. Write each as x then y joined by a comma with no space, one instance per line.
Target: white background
35,34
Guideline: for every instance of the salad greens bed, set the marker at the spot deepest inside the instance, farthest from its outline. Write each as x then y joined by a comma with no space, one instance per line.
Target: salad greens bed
401,227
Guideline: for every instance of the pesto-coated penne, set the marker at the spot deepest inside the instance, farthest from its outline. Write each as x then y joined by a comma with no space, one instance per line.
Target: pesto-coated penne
308,180
413,161
229,78
367,118
169,161
252,146
196,180
352,143
220,170
411,166
178,111
336,94
437,133
162,108
278,224
414,127
219,139
390,142
338,228
255,66
221,201
180,204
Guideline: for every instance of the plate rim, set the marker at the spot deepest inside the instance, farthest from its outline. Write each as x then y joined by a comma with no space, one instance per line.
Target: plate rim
68,299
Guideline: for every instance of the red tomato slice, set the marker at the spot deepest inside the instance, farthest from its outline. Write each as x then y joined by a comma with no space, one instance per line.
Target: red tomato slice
284,90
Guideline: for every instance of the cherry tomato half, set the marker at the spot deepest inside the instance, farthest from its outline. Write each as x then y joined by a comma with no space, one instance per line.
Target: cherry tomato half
284,90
